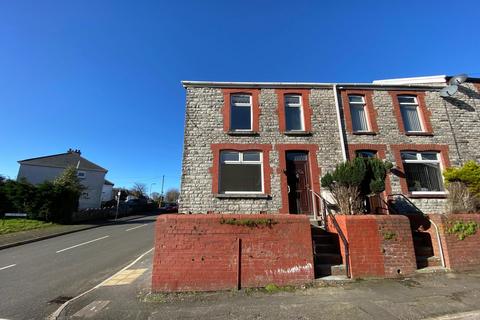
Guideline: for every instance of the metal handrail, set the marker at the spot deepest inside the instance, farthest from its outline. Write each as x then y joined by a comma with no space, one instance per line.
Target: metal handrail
344,242
408,200
326,213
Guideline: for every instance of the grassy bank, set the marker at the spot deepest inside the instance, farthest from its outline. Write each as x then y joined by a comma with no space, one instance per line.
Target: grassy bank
15,225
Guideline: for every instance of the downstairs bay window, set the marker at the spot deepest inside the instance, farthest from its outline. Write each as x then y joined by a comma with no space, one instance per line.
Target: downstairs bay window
423,172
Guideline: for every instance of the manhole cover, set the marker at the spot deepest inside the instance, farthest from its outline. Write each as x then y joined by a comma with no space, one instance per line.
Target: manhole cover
60,299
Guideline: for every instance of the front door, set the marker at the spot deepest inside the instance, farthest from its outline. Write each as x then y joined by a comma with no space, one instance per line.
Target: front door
298,180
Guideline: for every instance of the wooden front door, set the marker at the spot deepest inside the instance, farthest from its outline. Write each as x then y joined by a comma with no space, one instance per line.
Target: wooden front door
298,180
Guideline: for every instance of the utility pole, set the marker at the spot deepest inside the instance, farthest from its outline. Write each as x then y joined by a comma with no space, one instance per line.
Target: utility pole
163,180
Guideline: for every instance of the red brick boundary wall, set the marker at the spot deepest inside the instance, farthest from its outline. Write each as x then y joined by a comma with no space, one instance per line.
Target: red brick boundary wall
459,254
204,253
379,245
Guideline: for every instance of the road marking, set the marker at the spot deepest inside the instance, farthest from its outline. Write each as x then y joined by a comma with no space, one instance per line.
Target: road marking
81,244
91,309
124,277
12,265
57,312
143,225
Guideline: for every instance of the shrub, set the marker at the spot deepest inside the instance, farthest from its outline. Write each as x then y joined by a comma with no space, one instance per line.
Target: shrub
353,180
463,185
49,201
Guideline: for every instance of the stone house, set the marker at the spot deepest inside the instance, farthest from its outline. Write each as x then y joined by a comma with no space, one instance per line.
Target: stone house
47,168
263,147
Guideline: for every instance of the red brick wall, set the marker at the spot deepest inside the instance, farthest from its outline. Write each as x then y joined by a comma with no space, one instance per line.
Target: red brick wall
371,254
199,253
459,254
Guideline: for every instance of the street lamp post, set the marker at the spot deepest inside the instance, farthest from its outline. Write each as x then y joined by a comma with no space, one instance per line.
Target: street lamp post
151,189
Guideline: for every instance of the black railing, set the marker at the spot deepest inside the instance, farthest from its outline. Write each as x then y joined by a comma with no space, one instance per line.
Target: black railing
406,205
339,231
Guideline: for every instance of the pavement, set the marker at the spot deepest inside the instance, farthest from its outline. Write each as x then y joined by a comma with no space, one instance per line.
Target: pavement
23,237
434,296
36,278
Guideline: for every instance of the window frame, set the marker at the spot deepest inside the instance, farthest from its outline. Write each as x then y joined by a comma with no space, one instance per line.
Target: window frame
81,174
255,110
264,149
422,161
443,156
363,104
422,111
411,105
241,105
246,162
305,110
300,106
370,112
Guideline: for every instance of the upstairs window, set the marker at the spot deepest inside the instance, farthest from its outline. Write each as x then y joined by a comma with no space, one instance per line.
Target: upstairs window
81,174
240,172
358,113
293,113
423,172
241,112
410,113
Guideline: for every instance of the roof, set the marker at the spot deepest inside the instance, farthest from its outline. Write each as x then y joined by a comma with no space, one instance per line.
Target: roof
107,182
64,160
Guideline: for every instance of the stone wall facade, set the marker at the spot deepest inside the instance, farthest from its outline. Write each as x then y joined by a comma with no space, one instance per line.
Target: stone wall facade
454,122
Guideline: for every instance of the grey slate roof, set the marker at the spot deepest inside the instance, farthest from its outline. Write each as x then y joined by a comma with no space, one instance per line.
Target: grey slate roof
64,160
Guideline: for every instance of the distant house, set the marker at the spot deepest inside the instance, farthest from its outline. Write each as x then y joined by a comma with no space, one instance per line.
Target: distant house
107,191
47,168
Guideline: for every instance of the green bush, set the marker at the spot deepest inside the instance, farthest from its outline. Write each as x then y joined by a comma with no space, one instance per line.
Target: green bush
352,181
463,185
469,174
49,201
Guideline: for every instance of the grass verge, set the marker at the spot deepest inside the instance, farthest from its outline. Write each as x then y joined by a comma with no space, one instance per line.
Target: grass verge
16,225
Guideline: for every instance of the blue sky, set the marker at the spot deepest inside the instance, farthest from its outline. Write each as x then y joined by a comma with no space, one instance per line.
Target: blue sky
104,76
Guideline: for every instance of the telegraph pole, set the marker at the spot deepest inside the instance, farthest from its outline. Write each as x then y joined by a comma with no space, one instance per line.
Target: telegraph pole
163,180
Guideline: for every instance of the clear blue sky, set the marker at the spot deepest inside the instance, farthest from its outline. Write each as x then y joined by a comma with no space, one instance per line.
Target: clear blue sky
104,76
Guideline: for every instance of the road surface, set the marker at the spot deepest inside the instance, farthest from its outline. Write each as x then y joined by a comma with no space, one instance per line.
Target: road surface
36,278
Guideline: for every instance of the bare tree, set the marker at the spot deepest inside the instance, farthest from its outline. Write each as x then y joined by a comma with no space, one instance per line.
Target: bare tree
172,195
138,190
155,196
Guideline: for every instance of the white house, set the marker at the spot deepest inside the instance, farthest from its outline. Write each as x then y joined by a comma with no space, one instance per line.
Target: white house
47,168
107,191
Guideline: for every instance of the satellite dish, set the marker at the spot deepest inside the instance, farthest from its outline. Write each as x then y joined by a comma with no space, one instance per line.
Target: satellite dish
449,91
458,79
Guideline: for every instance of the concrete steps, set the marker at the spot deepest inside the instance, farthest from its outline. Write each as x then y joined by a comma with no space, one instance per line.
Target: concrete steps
326,253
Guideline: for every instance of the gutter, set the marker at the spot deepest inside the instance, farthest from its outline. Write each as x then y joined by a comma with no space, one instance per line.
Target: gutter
286,85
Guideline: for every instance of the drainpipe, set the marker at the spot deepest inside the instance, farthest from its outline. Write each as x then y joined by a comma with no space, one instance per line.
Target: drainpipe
339,121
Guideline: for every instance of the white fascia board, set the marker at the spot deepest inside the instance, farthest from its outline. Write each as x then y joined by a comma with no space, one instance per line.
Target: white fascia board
439,79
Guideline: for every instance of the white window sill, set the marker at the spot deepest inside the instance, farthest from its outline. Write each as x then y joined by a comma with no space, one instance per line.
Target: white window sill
428,194
242,195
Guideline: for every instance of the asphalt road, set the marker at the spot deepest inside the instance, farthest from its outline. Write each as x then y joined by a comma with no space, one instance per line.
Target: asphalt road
33,276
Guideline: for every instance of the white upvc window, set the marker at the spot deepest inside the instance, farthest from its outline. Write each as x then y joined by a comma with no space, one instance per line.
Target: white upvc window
241,112
358,112
423,172
294,120
81,174
409,109
241,172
